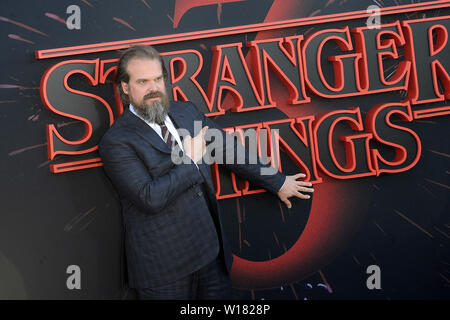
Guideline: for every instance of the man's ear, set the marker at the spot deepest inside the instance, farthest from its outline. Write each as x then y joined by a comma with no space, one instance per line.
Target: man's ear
124,87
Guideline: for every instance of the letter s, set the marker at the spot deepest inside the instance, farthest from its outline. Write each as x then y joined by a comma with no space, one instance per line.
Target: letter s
93,111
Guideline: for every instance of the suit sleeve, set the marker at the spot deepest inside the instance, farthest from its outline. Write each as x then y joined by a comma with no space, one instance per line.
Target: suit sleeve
252,172
130,177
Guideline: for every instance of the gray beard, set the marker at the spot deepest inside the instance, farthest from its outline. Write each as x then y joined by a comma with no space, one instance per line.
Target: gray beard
155,112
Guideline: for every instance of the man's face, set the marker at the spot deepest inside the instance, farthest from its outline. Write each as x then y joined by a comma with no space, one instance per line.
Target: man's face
146,88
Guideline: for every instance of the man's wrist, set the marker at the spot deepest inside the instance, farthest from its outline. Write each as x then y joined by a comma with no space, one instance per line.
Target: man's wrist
285,178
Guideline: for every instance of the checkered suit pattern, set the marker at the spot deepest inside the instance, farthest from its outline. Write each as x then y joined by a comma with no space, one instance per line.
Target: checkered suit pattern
170,213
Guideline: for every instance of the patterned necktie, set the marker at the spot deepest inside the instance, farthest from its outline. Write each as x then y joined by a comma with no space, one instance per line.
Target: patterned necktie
167,136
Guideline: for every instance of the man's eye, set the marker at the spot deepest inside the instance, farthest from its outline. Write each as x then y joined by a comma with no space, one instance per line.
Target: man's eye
141,81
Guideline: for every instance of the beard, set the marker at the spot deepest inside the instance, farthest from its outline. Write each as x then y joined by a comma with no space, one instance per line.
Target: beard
154,111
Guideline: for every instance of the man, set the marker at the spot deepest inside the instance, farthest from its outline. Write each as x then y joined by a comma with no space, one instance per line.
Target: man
175,244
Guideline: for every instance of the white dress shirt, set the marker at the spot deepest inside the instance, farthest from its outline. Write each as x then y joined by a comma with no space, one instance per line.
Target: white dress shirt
169,124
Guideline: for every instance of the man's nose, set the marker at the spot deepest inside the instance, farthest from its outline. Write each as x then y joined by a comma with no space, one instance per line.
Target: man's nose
153,86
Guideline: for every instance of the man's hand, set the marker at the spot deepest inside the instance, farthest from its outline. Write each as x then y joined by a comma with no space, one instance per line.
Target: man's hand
293,188
195,147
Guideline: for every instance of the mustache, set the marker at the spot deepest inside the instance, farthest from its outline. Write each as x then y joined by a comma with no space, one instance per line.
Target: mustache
154,94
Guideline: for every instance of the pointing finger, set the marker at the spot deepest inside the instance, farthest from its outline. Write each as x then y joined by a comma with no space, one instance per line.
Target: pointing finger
303,183
299,175
288,203
302,196
304,189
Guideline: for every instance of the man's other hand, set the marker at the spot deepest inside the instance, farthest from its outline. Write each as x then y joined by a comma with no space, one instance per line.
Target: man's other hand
294,188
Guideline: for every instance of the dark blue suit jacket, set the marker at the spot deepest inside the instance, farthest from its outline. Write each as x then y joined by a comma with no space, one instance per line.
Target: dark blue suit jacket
170,228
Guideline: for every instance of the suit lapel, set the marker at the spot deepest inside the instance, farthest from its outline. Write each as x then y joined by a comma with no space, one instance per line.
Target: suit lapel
145,131
178,117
